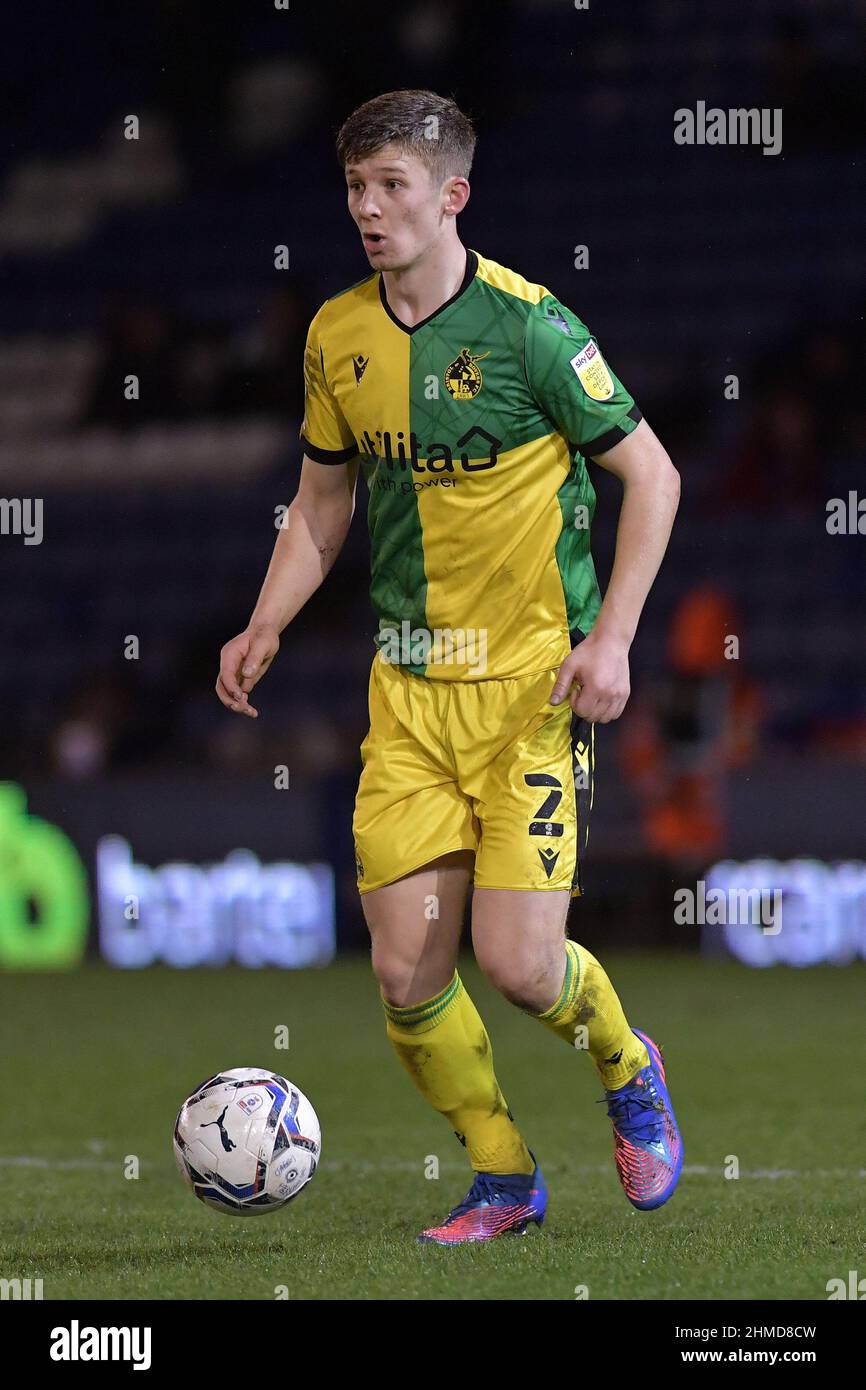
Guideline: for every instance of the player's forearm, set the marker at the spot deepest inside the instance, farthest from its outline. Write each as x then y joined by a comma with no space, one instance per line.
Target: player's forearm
304,553
647,514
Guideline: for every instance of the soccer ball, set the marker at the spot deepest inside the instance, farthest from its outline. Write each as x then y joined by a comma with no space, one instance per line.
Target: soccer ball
247,1141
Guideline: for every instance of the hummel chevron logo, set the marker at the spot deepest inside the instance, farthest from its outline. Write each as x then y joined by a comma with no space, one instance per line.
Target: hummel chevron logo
548,858
360,365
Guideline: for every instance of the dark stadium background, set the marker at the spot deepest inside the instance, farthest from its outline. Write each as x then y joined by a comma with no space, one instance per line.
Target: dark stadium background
156,257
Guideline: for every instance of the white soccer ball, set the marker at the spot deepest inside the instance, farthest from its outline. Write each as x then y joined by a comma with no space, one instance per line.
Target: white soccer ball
247,1141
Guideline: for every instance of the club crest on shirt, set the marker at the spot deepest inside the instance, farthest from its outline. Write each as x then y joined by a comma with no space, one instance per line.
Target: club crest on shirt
462,377
591,371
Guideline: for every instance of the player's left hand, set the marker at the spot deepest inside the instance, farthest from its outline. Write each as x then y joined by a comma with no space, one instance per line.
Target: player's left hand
595,679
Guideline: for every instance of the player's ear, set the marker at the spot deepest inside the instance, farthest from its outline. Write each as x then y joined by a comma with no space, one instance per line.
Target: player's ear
456,192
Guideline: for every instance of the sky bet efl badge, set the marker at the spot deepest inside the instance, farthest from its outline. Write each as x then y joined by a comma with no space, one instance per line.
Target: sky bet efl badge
591,372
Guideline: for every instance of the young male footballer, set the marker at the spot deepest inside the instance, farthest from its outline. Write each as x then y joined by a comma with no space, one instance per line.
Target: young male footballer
470,399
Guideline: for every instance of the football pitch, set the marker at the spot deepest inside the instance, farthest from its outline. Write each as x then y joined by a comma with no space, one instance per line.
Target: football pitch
765,1070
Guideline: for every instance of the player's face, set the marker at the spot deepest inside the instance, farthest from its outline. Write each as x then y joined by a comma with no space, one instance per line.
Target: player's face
398,209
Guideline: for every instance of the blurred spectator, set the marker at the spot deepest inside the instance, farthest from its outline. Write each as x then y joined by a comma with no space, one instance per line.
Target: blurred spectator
200,44
800,70
100,718
190,371
774,465
264,367
679,743
140,340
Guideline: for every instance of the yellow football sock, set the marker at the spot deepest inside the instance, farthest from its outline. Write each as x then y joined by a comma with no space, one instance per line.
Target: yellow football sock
589,1016
444,1047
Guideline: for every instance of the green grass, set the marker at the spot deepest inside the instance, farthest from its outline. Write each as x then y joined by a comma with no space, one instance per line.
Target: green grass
764,1065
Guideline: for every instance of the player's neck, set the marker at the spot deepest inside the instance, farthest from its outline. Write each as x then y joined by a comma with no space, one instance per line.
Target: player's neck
417,292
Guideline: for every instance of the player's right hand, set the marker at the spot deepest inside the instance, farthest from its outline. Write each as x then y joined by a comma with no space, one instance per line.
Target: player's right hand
243,662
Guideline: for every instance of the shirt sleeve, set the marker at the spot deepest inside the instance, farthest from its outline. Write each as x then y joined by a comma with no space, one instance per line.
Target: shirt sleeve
571,381
324,433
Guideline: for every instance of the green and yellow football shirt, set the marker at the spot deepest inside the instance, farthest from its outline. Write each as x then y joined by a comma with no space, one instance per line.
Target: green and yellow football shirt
472,428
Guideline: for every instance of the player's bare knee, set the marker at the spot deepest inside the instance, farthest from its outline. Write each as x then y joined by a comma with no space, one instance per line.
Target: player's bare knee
392,970
512,975
520,978
407,979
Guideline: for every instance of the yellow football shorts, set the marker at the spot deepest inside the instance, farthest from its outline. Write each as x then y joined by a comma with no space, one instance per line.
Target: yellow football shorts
484,765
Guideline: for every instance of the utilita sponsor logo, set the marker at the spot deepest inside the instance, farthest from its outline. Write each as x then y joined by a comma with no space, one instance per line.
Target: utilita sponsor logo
475,451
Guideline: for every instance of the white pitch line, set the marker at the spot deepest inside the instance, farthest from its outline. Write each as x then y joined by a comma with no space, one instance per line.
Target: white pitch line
699,1170
56,1164
689,1169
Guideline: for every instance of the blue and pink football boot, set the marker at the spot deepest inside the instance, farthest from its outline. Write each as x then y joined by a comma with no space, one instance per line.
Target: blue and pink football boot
648,1152
647,1145
495,1204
